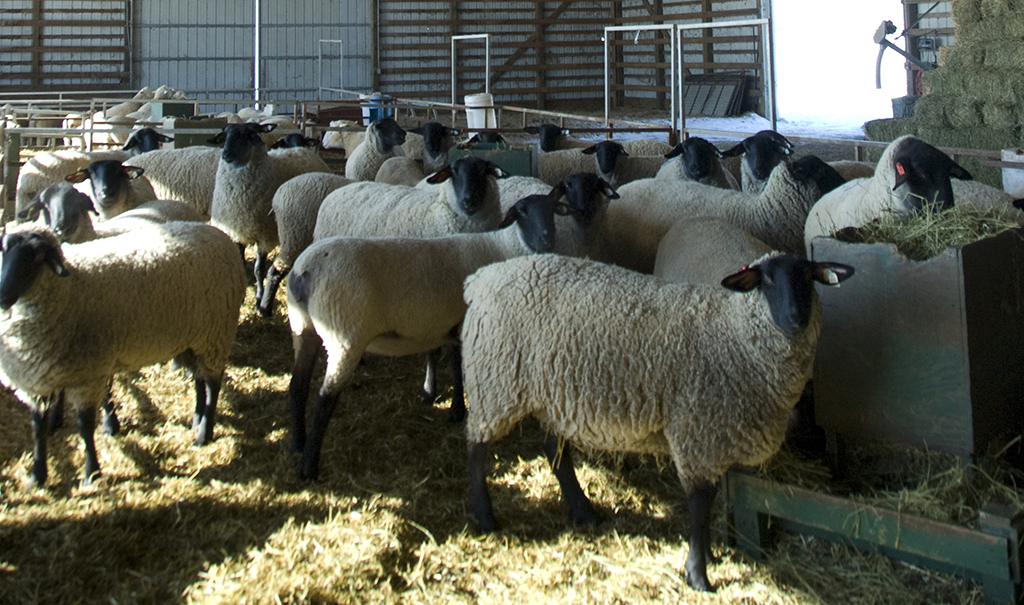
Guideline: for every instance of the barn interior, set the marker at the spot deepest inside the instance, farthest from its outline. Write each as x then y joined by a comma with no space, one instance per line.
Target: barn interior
908,486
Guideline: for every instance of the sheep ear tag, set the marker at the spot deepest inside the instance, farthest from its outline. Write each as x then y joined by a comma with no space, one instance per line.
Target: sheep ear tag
901,175
831,274
745,280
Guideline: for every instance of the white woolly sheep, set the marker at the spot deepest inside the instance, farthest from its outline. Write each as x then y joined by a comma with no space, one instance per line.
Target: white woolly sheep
122,303
247,177
611,162
295,204
910,174
188,174
615,360
384,138
761,153
49,167
704,249
850,169
294,139
400,170
390,296
344,139
648,208
113,187
696,159
464,199
66,211
646,147
145,140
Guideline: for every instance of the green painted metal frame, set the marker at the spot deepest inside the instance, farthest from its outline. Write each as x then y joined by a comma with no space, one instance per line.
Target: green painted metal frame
990,557
517,161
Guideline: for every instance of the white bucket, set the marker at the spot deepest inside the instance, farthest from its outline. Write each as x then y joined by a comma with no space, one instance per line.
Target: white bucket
1013,178
480,111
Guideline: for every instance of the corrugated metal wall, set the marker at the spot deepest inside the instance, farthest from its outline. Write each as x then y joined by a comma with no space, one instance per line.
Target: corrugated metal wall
207,48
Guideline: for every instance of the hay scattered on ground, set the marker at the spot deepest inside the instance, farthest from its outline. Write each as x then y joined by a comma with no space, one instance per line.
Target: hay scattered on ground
928,232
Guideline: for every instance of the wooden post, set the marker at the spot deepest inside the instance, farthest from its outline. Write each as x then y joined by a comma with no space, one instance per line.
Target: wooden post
539,59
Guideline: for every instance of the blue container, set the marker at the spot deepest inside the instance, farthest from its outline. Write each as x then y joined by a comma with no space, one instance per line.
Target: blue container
374,107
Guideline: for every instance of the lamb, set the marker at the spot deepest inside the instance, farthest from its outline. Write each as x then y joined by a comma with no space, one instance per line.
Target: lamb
390,296
761,153
384,138
910,173
247,177
464,199
49,167
701,373
121,303
430,145
295,206
400,170
113,187
648,208
187,175
696,159
66,211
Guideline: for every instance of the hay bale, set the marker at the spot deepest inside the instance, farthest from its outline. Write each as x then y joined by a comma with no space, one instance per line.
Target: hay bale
1003,115
1004,54
996,9
932,109
966,12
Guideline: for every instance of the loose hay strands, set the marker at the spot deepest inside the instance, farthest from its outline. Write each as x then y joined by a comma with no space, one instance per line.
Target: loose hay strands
928,232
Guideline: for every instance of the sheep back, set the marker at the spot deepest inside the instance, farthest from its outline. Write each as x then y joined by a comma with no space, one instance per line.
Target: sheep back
188,174
705,250
296,204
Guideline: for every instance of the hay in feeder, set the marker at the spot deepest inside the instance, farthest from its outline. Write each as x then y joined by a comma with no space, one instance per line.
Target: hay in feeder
927,233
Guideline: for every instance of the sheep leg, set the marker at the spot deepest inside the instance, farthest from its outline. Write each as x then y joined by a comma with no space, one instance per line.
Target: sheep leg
561,464
701,496
307,349
111,425
265,305
429,391
40,424
55,418
480,500
87,429
457,411
340,368
259,269
207,391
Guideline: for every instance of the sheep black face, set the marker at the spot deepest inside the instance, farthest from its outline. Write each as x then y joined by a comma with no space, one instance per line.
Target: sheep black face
24,254
389,134
435,136
239,140
293,140
535,217
62,208
762,152
607,153
548,135
146,139
811,167
787,283
699,157
922,176
469,177
581,191
109,179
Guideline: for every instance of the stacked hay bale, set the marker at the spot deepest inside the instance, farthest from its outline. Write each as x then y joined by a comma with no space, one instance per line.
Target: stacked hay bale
975,99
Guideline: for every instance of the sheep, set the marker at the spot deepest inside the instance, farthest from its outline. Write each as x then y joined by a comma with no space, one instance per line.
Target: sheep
850,169
390,296
187,175
553,138
910,173
430,145
66,211
464,199
696,159
49,167
247,177
649,207
113,187
384,138
615,360
294,139
612,162
343,139
760,153
145,140
295,206
701,250
646,147
120,303
400,170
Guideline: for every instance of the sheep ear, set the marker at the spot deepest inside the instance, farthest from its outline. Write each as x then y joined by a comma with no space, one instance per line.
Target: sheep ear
562,209
499,173
678,149
79,176
510,216
55,261
957,171
163,138
267,127
453,132
734,151
566,132
608,191
440,176
418,130
217,139
132,143
590,150
531,130
745,280
831,274
134,172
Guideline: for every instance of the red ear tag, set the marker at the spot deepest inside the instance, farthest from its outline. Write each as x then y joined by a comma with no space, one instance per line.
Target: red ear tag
900,170
744,267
